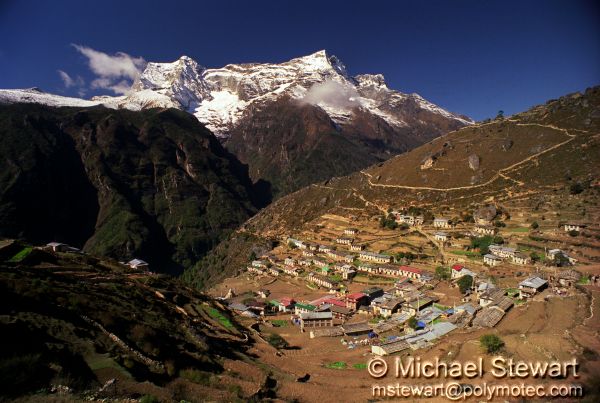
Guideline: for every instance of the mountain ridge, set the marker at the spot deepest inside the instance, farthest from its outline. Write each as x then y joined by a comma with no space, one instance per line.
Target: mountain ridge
254,110
185,84
153,184
531,159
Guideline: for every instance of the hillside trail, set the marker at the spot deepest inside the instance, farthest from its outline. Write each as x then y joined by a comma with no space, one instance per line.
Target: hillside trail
418,229
501,173
586,320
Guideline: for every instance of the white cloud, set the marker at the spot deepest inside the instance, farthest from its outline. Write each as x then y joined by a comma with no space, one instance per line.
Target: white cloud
118,87
70,81
114,72
332,93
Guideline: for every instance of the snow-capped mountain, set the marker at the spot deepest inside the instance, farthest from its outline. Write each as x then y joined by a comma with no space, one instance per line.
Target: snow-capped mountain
37,96
219,97
293,123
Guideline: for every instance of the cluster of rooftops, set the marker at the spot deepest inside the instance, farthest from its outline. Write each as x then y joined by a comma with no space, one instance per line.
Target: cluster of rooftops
135,263
332,315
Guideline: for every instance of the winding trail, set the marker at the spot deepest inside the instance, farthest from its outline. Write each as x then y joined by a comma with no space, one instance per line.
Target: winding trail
591,309
502,173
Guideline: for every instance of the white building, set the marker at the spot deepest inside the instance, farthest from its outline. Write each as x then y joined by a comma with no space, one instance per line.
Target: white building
442,222
459,271
344,241
491,260
259,264
350,231
138,264
485,230
297,243
375,257
531,286
574,227
441,236
502,251
520,258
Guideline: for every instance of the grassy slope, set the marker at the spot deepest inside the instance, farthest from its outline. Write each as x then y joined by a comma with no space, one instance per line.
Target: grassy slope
524,135
47,341
575,161
153,184
291,145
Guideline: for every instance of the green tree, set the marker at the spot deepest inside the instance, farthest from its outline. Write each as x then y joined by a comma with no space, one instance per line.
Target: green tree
465,283
382,222
482,243
491,343
277,341
576,188
414,210
573,233
500,114
442,273
388,222
535,225
561,260
428,217
412,322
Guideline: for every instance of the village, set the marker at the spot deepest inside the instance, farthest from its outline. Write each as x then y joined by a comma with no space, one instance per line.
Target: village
347,282
348,288
341,281
358,284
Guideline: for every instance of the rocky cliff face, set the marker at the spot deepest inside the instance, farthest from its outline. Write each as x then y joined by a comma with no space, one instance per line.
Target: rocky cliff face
221,97
260,111
297,122
153,184
539,157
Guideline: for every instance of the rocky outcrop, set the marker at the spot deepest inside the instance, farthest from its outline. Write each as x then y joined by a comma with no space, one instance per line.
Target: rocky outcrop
152,184
485,214
474,162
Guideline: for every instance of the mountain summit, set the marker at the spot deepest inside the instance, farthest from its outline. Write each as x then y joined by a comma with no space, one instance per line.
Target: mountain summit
293,123
219,97
297,122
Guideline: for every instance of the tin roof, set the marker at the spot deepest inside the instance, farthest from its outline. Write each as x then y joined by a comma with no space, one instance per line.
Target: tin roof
308,307
316,315
533,282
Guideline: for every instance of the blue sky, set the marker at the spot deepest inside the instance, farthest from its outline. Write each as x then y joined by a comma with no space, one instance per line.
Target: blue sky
472,57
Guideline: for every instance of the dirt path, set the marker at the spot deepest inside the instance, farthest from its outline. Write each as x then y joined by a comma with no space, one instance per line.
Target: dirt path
368,202
310,352
502,173
586,320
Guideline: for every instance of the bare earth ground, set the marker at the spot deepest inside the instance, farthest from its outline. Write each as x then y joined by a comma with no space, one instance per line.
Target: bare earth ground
556,329
547,328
